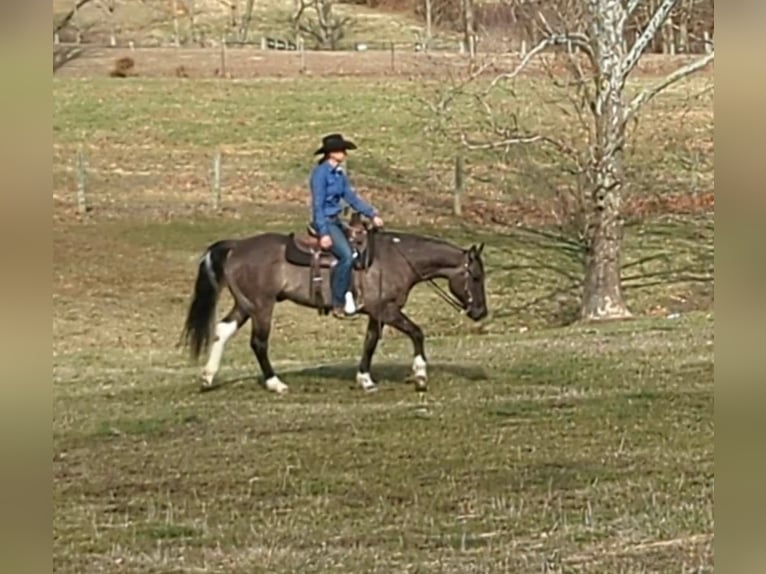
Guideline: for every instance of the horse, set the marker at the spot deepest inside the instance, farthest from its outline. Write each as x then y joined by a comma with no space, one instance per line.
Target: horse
265,269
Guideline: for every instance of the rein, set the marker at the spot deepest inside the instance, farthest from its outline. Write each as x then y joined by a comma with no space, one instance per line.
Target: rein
440,291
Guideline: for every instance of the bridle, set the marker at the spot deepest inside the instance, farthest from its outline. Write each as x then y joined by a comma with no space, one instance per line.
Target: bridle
445,295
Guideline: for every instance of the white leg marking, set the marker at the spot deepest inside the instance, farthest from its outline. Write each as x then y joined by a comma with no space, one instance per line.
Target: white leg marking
365,381
223,332
419,368
274,384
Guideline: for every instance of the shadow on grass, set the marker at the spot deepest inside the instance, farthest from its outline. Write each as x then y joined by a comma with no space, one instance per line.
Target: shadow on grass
382,373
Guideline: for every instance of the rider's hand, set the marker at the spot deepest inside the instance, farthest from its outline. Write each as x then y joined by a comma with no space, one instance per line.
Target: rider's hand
325,242
377,221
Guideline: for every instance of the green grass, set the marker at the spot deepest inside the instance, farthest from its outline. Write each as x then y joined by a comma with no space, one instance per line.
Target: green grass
579,445
161,135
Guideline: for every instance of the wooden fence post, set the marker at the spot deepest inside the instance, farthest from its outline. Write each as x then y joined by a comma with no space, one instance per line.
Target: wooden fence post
393,57
82,206
459,184
223,55
216,187
302,53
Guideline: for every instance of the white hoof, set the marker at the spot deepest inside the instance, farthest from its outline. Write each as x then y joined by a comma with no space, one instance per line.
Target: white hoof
365,381
275,385
207,378
419,370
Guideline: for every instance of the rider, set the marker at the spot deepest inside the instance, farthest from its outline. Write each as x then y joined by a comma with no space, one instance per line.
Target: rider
329,184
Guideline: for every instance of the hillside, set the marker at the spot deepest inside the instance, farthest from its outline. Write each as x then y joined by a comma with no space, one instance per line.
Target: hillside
151,22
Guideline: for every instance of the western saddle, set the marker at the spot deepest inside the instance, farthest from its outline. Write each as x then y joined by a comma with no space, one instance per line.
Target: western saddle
303,250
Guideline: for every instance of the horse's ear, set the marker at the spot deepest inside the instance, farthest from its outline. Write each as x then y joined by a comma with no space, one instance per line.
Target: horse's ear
475,250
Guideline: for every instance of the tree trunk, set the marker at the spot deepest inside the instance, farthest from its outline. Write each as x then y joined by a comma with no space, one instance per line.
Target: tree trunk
428,23
602,294
245,21
469,31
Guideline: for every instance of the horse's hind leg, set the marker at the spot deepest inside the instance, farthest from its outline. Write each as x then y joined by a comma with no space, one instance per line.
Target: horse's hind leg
224,331
259,342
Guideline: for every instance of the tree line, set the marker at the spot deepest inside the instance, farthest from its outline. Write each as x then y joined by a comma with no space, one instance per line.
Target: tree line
688,27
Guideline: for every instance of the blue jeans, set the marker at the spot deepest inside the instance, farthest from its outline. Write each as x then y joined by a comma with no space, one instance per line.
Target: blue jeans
341,273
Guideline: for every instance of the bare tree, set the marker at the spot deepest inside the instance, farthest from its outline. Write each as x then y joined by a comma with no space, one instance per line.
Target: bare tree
109,7
429,13
599,60
469,29
246,19
327,28
70,16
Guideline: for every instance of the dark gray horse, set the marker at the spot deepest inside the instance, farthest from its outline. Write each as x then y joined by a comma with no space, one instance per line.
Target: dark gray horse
265,269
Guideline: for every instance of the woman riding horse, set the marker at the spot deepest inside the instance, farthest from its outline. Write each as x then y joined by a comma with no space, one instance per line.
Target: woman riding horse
329,185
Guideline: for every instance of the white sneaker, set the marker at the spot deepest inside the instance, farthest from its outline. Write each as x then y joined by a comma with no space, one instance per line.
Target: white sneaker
350,307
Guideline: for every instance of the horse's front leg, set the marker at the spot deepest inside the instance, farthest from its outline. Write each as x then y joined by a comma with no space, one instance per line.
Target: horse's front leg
363,377
399,321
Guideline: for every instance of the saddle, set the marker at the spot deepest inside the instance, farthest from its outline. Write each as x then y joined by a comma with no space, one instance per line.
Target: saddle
303,250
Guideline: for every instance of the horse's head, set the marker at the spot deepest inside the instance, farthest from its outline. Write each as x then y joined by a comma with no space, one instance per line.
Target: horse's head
468,284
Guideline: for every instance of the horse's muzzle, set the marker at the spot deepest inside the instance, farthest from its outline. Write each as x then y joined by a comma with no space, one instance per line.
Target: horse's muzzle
477,314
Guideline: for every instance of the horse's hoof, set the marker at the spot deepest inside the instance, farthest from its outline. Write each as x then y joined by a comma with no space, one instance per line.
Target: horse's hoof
364,380
276,386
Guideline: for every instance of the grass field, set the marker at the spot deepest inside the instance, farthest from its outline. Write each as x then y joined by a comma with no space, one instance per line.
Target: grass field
538,448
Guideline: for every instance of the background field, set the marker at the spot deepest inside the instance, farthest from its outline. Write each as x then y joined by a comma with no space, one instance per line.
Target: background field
540,447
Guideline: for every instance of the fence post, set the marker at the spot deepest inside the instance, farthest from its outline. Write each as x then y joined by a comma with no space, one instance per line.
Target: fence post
223,55
302,53
393,57
459,183
216,187
263,42
82,174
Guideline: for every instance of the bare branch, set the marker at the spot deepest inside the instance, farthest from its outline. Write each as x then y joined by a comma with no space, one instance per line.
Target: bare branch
649,93
69,15
503,143
523,64
655,23
631,7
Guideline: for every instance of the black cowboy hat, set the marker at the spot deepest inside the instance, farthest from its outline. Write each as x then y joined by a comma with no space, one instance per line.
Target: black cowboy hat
334,142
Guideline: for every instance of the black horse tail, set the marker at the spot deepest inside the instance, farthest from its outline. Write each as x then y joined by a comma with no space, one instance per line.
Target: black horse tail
199,319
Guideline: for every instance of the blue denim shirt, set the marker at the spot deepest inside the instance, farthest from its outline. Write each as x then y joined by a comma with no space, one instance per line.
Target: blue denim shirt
328,186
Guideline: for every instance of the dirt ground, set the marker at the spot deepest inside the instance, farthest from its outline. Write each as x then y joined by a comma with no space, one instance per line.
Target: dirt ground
254,63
